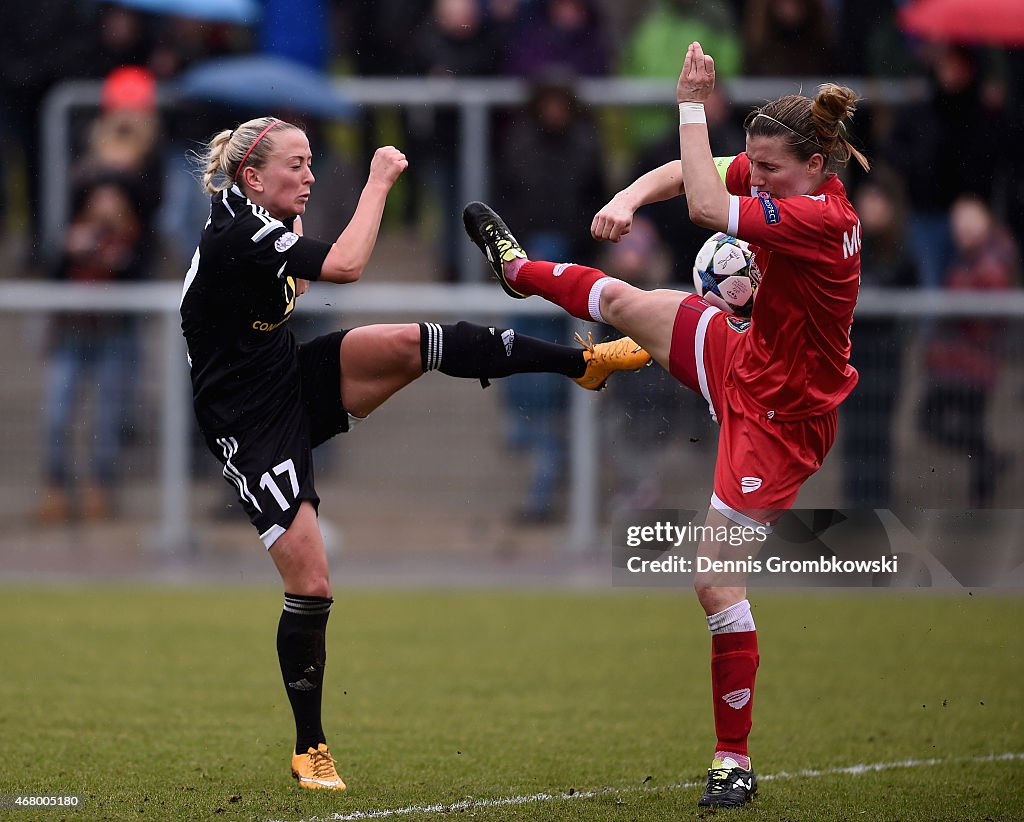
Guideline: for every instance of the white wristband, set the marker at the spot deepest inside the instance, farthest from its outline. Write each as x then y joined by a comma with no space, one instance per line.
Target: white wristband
691,113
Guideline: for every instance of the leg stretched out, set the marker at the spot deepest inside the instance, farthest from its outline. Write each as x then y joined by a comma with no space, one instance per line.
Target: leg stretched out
647,317
379,360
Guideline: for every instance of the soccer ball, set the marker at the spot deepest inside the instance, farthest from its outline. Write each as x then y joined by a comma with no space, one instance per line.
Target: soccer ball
726,272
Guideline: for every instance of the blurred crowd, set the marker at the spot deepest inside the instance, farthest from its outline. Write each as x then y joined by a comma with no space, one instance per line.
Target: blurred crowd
939,210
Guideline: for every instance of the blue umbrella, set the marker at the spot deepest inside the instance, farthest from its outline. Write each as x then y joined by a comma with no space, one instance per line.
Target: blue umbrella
245,12
264,83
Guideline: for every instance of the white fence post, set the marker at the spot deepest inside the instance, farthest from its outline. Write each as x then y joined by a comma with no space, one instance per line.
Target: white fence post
175,530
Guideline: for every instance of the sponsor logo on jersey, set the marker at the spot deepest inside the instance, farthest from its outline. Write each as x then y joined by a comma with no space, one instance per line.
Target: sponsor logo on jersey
738,323
289,300
771,211
749,484
737,699
286,241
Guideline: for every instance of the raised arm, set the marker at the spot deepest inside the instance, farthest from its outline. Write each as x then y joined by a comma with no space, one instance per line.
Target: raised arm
351,251
706,197
615,220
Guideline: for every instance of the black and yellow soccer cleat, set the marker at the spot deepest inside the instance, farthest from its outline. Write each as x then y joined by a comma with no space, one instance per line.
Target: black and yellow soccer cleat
493,238
729,785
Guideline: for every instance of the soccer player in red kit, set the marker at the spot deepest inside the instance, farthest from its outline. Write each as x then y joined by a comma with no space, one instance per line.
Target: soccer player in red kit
772,382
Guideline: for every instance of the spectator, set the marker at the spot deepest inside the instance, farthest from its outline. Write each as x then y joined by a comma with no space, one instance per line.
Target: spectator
878,344
652,50
508,17
41,44
872,42
125,138
569,35
102,245
945,147
788,37
123,37
110,239
375,31
454,41
550,167
964,356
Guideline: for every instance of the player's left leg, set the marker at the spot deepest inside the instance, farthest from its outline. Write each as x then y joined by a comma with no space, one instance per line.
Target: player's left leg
780,456
301,561
734,659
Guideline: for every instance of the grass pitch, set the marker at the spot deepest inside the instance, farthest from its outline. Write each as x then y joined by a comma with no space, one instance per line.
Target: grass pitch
163,703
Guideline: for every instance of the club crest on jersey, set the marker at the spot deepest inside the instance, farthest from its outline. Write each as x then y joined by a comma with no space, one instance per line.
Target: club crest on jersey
771,211
750,484
286,241
740,324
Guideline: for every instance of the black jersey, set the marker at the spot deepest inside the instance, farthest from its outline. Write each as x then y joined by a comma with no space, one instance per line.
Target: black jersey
238,296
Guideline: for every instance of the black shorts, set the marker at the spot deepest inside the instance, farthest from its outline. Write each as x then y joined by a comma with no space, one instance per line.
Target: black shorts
271,466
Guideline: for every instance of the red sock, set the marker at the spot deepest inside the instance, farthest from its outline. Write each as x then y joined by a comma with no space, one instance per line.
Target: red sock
565,284
734,661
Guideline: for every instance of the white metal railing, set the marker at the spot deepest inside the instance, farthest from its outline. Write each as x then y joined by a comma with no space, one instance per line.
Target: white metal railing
434,301
474,97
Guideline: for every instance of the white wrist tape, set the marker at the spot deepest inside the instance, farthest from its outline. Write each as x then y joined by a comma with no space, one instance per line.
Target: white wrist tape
691,113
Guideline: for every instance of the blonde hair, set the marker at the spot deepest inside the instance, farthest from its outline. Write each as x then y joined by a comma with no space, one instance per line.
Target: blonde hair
219,163
818,126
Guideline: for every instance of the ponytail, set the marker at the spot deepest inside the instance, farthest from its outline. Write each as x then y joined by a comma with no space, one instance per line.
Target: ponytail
832,108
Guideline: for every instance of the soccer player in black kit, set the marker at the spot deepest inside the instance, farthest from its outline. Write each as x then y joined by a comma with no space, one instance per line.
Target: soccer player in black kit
263,401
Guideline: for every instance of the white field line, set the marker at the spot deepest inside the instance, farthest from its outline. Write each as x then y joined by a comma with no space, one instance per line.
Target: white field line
501,802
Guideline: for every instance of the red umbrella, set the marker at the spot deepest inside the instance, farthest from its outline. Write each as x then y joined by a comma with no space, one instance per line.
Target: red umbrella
994,22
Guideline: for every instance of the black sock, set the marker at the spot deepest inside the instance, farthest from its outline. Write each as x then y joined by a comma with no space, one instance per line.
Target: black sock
302,652
469,350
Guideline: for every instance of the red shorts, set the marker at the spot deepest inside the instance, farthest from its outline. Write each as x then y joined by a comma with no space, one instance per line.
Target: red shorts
761,462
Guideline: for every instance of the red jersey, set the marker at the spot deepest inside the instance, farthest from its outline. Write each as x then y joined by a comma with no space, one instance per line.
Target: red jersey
794,363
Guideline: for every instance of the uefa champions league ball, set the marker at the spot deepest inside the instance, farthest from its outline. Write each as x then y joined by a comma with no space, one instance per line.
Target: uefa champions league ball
726,274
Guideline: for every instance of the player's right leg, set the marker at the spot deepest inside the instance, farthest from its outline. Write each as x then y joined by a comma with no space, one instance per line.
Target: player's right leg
377,361
647,317
301,561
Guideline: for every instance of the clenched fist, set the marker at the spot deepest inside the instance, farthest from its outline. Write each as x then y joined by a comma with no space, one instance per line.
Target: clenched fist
613,222
387,165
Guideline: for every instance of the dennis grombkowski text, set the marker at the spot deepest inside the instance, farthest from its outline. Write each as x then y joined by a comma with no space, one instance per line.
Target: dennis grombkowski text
771,565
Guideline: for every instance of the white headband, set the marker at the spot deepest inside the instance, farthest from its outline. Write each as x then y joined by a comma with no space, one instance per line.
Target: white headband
797,133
